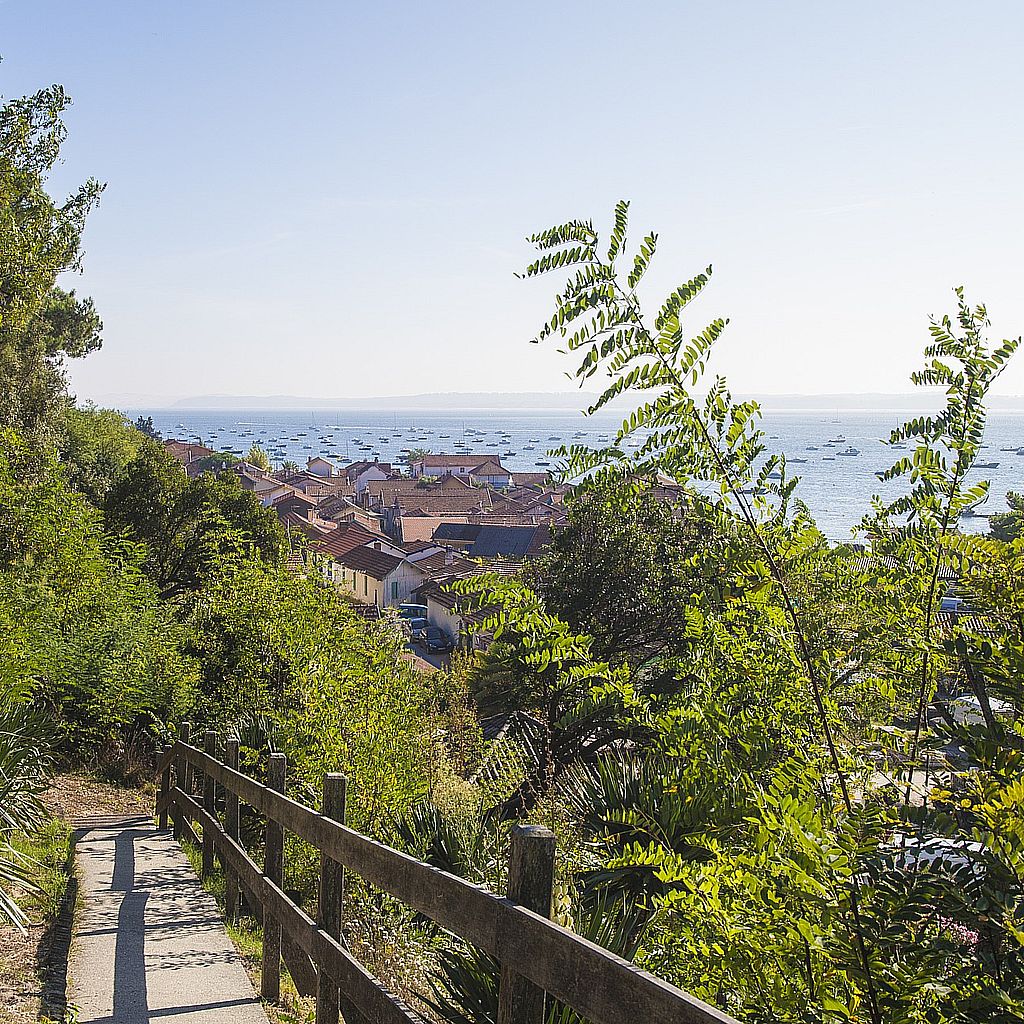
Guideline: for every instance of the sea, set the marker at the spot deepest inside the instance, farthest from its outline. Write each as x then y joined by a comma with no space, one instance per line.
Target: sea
837,488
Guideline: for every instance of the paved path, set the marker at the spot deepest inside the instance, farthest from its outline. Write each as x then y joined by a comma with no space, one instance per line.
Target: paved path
149,943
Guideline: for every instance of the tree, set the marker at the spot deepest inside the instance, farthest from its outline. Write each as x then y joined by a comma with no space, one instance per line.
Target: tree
258,457
336,689
622,571
82,628
539,666
95,447
1009,525
190,526
40,323
814,906
146,426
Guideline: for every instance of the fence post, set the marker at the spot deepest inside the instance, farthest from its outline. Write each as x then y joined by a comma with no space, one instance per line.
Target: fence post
332,889
209,804
531,871
180,773
273,871
165,790
231,828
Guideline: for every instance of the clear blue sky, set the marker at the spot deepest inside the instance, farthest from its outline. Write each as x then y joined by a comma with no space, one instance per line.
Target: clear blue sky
330,199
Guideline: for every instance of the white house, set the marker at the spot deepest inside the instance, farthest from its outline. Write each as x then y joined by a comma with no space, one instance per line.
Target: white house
368,476
376,577
449,465
491,472
320,467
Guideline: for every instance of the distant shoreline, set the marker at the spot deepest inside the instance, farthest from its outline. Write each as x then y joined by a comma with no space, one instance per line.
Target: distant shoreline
556,402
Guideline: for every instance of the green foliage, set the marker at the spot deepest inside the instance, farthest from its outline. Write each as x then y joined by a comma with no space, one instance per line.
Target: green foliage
45,854
82,625
335,692
759,832
539,666
40,323
1009,525
190,526
259,458
96,447
145,425
25,758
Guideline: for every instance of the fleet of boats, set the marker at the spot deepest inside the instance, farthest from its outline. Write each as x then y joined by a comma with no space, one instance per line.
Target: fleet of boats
398,443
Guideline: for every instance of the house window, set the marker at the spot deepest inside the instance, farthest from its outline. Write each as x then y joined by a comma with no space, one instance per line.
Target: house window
366,585
394,590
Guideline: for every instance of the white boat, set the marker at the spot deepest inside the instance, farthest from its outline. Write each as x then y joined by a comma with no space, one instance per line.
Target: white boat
849,452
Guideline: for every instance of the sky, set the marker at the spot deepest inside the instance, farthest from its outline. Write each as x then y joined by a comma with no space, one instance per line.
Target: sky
331,199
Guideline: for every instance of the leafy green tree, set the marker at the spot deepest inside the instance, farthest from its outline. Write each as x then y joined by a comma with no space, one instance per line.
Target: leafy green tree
1009,525
82,628
145,425
337,689
259,458
40,323
809,908
95,447
190,526
539,666
415,455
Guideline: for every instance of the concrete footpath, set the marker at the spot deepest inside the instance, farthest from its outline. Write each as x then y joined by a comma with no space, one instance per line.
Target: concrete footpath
149,942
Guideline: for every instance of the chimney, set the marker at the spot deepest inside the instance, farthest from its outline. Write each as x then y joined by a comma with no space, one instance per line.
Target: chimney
449,556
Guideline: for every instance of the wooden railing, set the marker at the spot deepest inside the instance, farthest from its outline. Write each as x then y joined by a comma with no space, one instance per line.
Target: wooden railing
537,956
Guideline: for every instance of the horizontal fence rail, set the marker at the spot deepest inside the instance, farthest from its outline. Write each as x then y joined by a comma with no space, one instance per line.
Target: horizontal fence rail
537,956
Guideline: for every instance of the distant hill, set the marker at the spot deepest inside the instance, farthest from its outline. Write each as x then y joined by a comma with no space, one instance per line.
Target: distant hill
562,401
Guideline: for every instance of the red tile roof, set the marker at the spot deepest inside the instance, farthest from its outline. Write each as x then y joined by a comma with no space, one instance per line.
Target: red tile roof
490,467
373,563
186,451
342,540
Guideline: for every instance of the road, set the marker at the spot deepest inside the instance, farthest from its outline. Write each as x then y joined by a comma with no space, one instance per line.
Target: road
421,654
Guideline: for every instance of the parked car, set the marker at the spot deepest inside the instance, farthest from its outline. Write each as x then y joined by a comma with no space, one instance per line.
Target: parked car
436,641
408,610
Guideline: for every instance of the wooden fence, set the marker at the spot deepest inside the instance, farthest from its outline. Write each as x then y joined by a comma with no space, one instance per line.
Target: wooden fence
537,956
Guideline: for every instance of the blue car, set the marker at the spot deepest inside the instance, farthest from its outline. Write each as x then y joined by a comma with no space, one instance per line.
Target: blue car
437,641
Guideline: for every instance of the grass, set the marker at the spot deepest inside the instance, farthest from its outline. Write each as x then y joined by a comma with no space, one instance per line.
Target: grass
46,855
25,956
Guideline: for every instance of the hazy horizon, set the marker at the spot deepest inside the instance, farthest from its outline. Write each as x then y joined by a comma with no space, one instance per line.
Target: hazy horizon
563,401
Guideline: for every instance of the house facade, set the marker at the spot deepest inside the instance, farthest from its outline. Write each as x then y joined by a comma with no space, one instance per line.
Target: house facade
449,465
376,577
492,473
320,467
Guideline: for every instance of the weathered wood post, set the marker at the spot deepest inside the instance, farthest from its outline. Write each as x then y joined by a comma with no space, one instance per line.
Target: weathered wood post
180,773
209,804
273,871
531,872
165,790
332,889
231,828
